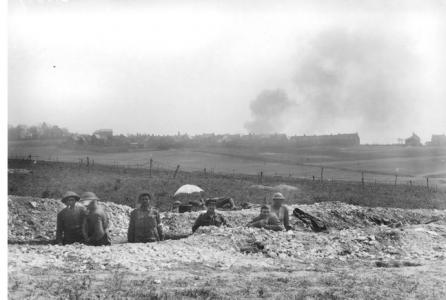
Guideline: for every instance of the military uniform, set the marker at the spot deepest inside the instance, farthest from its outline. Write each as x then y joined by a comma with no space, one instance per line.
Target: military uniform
270,222
283,215
145,226
95,228
207,219
69,225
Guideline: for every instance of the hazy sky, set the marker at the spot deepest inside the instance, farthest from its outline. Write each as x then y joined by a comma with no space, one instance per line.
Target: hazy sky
377,68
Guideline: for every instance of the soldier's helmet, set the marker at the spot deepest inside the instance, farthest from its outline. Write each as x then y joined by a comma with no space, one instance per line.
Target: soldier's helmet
87,197
69,194
278,196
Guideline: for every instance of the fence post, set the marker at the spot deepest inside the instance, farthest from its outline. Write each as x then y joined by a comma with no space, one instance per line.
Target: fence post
427,182
150,167
261,177
396,179
362,179
176,171
204,170
322,174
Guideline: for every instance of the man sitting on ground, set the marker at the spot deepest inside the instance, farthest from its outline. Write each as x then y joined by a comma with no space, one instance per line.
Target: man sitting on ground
95,224
266,220
210,217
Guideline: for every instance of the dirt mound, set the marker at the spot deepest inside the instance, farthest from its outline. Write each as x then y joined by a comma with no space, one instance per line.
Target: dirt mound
339,215
354,240
34,219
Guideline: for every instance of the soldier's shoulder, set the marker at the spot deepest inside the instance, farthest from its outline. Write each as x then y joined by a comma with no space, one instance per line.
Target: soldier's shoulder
154,210
62,211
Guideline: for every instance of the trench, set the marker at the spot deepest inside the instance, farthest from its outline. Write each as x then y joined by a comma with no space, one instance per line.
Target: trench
114,242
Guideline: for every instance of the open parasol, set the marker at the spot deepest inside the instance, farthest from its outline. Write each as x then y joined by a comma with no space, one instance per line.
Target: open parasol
188,189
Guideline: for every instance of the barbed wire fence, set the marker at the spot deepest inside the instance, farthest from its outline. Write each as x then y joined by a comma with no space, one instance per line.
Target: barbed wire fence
315,173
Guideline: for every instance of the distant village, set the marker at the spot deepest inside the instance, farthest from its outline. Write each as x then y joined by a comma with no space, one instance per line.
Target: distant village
106,138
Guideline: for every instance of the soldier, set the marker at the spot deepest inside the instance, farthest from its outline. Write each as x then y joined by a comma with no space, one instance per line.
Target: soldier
95,223
266,220
280,210
197,204
176,206
69,220
210,217
145,222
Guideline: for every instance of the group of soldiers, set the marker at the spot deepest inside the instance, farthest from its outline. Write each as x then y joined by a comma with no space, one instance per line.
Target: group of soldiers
88,222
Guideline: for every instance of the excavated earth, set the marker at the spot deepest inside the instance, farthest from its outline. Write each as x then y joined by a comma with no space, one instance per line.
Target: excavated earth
365,253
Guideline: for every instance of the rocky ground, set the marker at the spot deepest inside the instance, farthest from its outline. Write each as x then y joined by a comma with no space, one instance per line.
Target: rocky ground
366,253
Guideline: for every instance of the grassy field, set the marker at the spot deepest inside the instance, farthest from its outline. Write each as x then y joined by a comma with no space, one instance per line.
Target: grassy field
379,163
355,262
121,185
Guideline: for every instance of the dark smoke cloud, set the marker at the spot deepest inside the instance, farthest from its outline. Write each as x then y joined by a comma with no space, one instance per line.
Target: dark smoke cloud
367,78
268,111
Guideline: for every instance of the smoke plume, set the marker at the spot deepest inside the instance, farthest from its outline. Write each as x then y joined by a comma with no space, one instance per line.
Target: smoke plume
357,80
268,111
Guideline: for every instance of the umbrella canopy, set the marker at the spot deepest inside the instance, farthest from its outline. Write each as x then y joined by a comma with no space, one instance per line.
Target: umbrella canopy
188,189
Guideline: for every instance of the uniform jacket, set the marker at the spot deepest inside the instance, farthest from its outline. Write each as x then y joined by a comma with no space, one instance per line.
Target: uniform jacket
145,226
206,219
69,225
95,225
270,222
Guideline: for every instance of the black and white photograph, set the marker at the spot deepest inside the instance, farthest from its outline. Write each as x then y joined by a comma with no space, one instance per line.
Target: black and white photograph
224,149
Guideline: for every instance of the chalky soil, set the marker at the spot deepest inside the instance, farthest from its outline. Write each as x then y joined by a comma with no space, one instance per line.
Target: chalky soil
355,258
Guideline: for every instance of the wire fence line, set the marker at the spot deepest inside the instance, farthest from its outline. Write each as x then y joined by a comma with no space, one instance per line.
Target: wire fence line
318,173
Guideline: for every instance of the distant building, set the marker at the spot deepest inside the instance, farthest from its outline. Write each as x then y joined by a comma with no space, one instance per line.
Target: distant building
343,140
414,140
438,140
103,134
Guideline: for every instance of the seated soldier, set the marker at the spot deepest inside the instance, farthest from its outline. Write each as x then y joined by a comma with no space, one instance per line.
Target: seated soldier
175,206
69,220
210,217
280,210
266,220
145,222
95,224
197,204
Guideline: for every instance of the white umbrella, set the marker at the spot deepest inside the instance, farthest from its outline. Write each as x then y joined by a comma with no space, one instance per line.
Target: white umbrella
188,189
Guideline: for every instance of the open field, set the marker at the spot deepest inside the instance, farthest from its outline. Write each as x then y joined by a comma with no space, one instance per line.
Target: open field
380,163
384,241
121,185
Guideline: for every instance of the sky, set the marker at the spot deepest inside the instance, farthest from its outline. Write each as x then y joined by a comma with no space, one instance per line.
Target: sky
296,67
